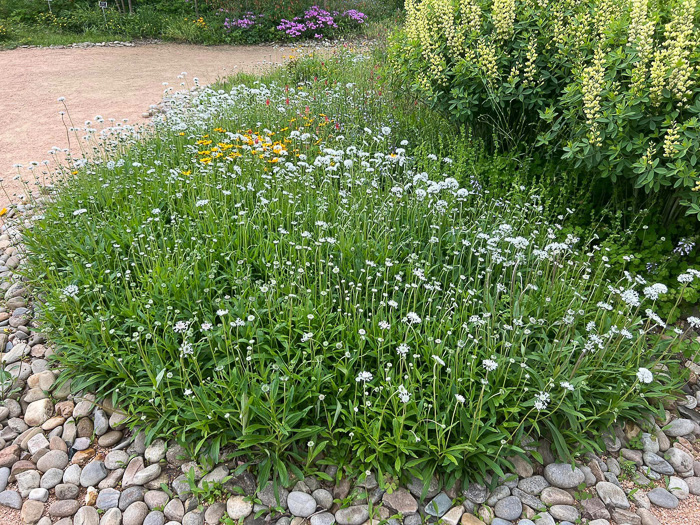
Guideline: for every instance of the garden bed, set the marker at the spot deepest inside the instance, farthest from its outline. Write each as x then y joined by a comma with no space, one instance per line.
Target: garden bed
299,279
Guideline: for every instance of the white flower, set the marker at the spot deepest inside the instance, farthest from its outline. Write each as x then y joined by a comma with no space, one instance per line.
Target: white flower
181,326
386,130
207,326
694,322
685,278
644,375
83,210
402,350
364,377
489,364
460,399
438,360
652,292
186,349
221,312
567,385
541,400
631,297
520,243
404,395
413,318
71,291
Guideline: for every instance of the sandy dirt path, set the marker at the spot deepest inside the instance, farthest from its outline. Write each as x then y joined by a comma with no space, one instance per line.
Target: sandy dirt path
114,82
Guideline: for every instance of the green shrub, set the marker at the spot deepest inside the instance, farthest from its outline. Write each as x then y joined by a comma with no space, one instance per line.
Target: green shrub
285,269
611,86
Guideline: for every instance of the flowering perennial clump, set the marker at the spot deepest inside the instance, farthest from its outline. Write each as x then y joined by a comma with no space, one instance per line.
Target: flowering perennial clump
246,21
263,271
612,86
315,20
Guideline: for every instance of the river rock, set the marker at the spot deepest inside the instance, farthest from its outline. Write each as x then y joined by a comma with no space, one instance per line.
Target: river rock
555,496
563,476
53,459
663,498
680,460
38,412
678,487
238,508
355,515
11,498
63,508
679,427
86,516
301,504
112,517
612,495
32,512
108,499
135,513
658,464
509,508
93,473
402,501
533,485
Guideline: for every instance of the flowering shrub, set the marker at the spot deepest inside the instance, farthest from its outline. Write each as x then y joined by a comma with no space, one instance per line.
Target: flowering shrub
275,269
611,86
316,22
247,21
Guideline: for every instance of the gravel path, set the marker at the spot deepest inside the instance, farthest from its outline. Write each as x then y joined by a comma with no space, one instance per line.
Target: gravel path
114,82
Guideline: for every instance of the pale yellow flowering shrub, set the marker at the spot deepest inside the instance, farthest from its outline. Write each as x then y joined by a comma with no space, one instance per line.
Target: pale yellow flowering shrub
612,85
592,86
671,68
503,18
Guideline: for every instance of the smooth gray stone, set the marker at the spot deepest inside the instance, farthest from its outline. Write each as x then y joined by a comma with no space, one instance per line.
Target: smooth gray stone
439,505
663,498
509,508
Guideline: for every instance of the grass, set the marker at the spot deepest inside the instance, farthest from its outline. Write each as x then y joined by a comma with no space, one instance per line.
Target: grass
37,36
284,269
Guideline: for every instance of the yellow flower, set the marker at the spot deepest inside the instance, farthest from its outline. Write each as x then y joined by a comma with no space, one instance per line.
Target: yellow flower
3,212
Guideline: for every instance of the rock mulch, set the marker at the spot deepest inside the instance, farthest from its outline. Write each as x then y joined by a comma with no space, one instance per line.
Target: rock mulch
67,458
84,45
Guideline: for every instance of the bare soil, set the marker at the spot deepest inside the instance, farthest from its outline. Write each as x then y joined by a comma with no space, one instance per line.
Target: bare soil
114,82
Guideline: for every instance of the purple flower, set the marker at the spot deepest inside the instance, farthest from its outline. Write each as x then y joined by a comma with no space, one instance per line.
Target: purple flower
315,20
247,21
354,14
685,246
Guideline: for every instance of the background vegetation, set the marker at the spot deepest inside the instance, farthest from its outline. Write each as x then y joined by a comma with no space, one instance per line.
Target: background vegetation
201,22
